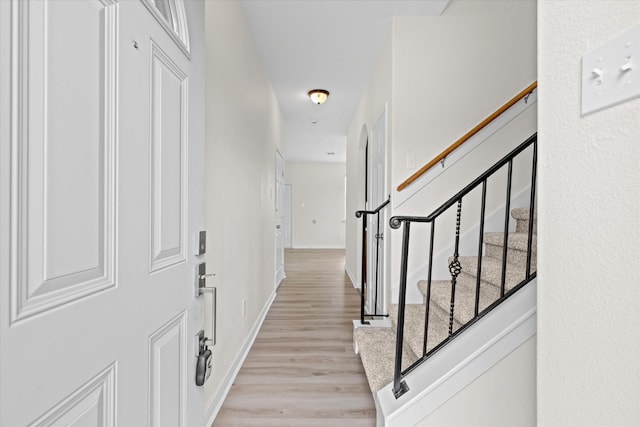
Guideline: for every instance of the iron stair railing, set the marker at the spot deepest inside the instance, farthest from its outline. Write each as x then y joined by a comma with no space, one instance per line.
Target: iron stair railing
364,280
399,385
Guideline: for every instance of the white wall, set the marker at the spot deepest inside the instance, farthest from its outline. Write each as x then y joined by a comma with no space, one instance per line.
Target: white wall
318,203
589,207
243,130
505,395
451,71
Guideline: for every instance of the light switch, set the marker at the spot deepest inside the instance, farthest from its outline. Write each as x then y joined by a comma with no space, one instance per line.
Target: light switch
411,161
611,72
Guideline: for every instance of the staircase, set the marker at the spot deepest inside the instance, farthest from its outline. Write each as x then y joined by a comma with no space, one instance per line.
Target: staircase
376,345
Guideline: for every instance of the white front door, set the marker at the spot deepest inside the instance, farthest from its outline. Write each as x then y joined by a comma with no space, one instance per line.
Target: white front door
100,200
376,225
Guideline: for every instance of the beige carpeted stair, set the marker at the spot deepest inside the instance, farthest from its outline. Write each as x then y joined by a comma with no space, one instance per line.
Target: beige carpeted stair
377,345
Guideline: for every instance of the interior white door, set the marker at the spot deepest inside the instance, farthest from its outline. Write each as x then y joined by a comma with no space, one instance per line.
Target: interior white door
100,198
280,180
376,225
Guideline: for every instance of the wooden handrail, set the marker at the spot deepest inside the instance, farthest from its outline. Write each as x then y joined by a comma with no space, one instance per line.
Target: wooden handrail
466,136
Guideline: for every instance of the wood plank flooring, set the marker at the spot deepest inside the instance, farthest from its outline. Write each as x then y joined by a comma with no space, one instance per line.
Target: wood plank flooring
301,370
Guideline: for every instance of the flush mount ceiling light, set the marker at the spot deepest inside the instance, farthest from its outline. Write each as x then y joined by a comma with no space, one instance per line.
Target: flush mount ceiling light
318,96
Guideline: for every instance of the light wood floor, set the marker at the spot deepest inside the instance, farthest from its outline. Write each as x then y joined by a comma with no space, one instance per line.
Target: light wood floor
302,371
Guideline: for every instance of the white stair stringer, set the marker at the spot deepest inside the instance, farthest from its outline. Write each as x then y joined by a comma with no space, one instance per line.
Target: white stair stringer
464,359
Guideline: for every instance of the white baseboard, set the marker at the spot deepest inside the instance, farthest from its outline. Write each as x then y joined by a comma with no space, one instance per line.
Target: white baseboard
215,403
280,278
463,360
352,277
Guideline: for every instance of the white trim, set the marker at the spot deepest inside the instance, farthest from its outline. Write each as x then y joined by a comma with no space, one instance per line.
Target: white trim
514,111
462,361
352,277
280,278
215,403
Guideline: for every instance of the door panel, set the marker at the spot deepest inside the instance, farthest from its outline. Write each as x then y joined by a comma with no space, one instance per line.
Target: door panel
93,404
155,231
52,273
100,196
166,373
168,151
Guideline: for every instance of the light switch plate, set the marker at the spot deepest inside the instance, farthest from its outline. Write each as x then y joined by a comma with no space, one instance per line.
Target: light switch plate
611,72
411,161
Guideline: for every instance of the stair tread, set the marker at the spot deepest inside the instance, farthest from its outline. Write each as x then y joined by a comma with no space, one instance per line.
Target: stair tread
377,352
523,213
517,241
492,271
464,309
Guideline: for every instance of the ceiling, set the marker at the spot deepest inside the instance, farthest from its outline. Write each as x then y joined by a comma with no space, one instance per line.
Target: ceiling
323,44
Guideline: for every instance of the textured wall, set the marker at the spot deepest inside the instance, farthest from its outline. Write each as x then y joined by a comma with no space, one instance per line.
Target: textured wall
589,207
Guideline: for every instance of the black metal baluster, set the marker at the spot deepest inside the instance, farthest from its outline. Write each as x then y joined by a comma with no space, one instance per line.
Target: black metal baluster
532,203
454,267
378,236
428,300
363,286
400,387
506,229
480,243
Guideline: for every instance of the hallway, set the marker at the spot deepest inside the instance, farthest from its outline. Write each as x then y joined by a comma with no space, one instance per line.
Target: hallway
301,370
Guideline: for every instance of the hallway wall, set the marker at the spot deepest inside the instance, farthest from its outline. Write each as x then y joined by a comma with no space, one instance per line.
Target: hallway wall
589,207
243,130
317,203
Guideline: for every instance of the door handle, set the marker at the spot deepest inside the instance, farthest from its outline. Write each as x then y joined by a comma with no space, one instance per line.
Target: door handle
201,288
201,276
278,226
